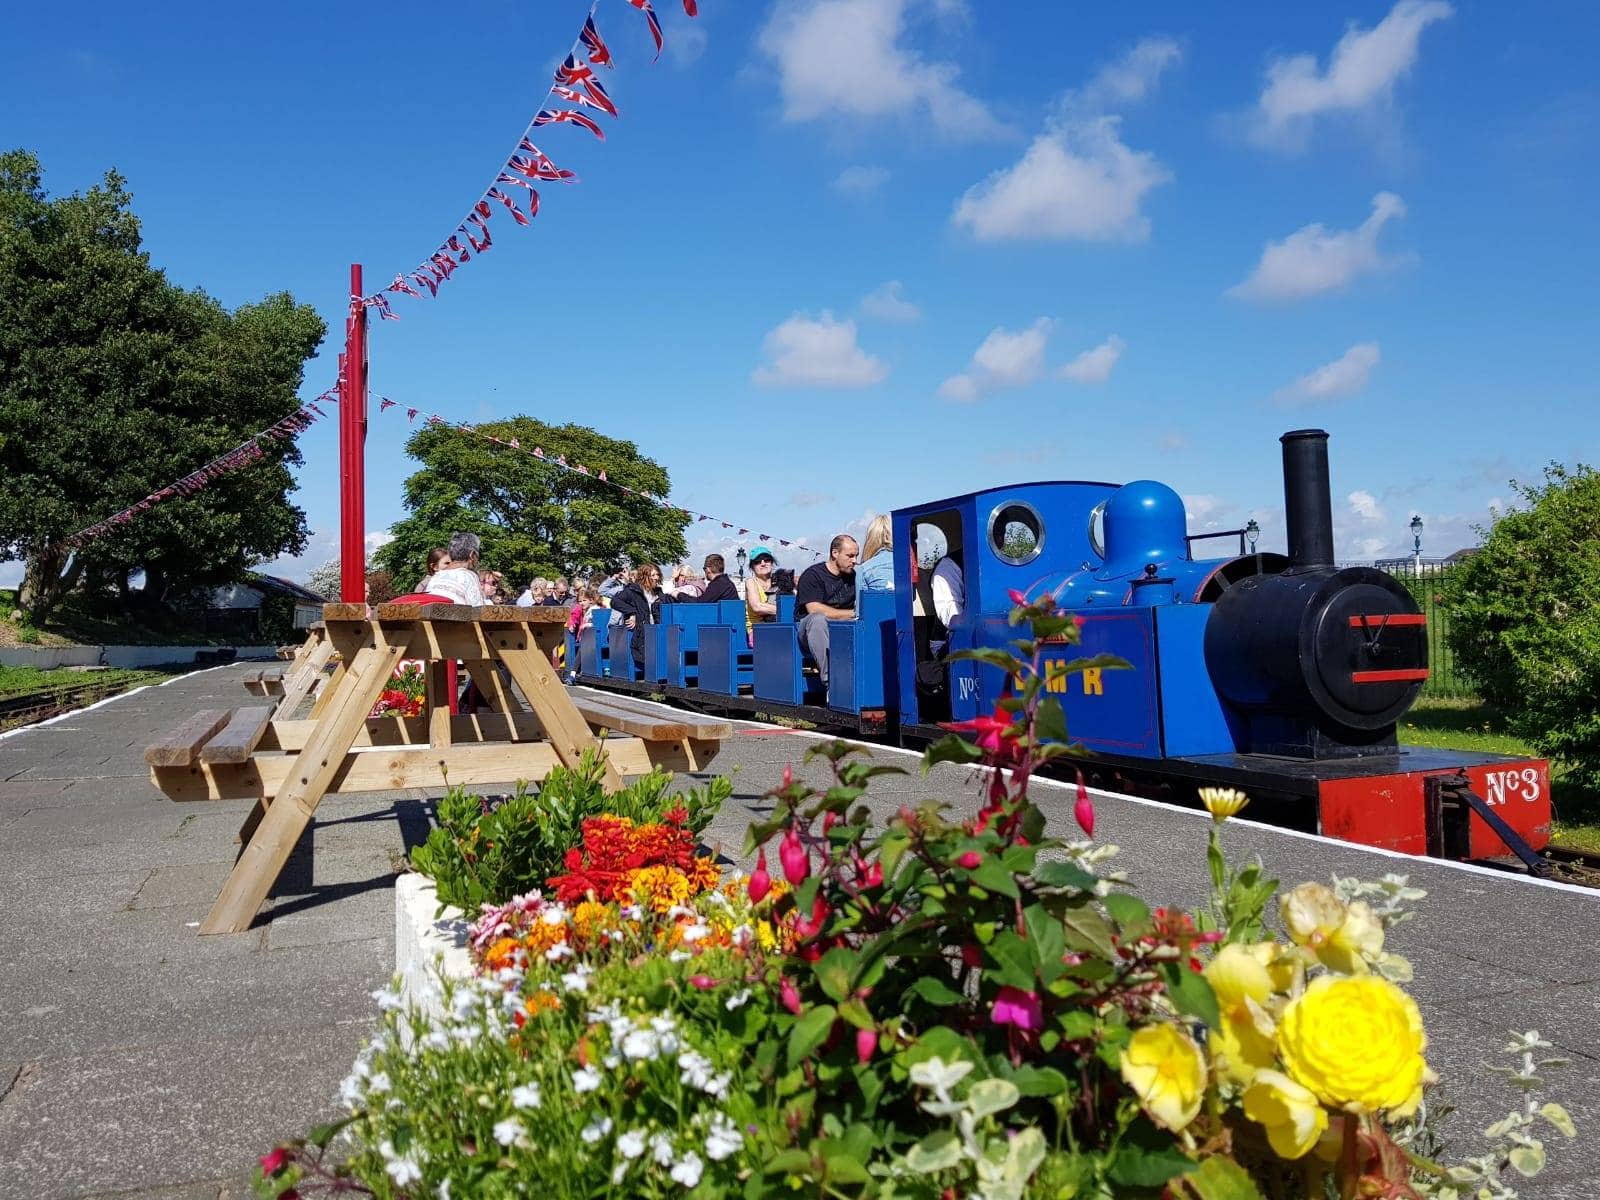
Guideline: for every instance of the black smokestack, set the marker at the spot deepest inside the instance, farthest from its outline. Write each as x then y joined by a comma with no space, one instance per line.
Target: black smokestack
1308,505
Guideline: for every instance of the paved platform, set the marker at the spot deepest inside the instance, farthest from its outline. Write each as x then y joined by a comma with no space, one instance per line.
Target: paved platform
139,1060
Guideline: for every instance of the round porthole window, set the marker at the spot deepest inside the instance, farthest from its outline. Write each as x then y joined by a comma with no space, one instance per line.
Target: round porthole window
1097,530
1016,534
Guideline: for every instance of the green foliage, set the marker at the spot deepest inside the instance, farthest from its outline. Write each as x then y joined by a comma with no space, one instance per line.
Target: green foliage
482,853
1525,618
114,381
533,519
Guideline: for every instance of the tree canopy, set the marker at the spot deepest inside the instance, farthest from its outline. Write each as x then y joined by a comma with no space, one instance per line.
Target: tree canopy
1525,617
114,381
533,518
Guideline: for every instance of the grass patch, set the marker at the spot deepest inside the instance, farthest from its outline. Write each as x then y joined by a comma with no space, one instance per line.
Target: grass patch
1474,725
30,681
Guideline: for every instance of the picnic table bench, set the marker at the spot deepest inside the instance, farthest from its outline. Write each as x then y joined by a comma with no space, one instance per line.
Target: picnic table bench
532,724
307,670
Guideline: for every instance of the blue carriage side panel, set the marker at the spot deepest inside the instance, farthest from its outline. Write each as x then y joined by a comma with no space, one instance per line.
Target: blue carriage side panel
619,639
1194,719
683,640
786,609
655,653
777,664
593,650
720,668
974,686
861,662
1114,711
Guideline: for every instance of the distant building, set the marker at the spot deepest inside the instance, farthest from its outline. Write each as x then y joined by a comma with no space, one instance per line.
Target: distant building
236,607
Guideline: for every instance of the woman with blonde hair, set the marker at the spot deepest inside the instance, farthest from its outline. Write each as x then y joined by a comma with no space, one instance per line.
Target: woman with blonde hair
875,571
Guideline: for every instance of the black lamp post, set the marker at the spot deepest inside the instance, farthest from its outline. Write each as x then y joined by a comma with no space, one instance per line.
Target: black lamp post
743,558
1252,531
1416,545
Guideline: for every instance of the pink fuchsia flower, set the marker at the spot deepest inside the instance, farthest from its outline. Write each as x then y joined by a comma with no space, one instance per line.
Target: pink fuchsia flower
792,854
996,733
969,861
873,876
1018,598
1083,810
866,1044
760,882
272,1163
788,775
971,955
789,997
1018,1008
703,982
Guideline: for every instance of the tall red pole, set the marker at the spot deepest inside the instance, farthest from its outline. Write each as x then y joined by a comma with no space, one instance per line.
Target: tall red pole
352,451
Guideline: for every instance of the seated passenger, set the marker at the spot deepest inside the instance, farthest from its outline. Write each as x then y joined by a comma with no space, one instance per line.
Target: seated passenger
459,583
760,595
438,560
639,604
615,582
558,596
875,573
718,585
826,592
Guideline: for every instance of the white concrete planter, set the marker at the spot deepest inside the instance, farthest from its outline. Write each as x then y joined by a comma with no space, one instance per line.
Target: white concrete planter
423,944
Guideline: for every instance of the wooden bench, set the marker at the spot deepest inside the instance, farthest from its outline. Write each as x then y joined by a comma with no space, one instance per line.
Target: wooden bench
306,672
286,766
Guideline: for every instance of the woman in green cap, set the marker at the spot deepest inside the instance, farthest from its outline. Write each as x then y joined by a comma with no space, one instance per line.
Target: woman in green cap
760,601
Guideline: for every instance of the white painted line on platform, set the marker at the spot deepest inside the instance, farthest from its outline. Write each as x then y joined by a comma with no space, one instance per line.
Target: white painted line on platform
143,687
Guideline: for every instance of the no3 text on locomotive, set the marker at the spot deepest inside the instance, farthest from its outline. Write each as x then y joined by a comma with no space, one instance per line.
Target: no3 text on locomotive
1284,675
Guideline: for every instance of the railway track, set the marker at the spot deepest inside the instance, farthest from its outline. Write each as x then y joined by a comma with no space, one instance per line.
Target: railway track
32,707
1581,867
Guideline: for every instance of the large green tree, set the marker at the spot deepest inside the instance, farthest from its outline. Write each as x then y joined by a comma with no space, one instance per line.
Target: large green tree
1525,617
533,518
114,382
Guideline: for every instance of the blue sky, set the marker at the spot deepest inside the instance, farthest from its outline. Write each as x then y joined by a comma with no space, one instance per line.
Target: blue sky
839,256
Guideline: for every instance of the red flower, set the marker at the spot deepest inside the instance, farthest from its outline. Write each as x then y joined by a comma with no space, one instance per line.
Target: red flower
792,854
969,861
789,997
760,881
1018,598
1013,1006
272,1163
997,734
1083,810
866,1043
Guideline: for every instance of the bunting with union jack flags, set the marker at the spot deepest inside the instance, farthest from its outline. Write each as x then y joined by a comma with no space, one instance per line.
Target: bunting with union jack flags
574,84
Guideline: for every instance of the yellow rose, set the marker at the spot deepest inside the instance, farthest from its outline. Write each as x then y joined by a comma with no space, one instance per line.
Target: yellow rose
1279,961
1344,937
1243,1042
1222,803
1167,1072
1293,1119
1356,1041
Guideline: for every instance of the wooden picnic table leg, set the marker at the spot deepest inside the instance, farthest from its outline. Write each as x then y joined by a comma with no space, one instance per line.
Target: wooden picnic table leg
304,678
485,673
564,727
314,768
437,682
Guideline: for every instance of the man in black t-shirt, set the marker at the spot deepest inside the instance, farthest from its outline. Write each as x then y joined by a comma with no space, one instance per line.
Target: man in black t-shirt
826,592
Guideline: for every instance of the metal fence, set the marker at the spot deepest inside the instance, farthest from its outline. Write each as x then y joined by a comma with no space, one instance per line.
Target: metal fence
1427,581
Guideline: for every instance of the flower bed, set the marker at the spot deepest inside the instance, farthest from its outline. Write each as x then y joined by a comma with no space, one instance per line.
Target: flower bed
934,1007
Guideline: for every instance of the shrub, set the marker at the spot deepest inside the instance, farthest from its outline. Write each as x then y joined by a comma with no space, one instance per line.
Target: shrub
1525,618
485,853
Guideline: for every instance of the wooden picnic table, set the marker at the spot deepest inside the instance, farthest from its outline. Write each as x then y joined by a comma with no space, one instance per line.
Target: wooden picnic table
288,765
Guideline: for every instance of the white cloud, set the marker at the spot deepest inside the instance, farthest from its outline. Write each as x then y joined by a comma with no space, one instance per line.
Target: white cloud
887,303
1129,79
817,353
1096,365
687,43
1078,180
847,58
809,499
1173,440
860,180
1203,509
377,539
1364,506
1312,260
1344,376
1361,75
1005,359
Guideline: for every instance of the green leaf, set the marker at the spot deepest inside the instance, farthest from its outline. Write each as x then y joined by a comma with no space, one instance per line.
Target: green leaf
1046,940
993,876
934,990
1558,1117
937,1152
1087,929
789,1162
1039,1081
1147,1157
835,970
1049,721
1191,994
857,1014
1104,662
1007,662
810,1031
1128,911
1013,962
952,748
1063,875
989,1096
841,1166
1219,1179
1528,1159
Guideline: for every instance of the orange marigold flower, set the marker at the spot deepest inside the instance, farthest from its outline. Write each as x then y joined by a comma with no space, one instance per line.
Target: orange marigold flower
591,918
704,874
504,952
541,1001
657,888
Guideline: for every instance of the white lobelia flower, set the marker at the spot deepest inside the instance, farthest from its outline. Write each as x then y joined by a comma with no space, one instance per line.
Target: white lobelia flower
596,1129
640,1045
723,1139
577,979
388,999
737,1000
634,912
661,1148
557,952
378,1083
679,956
631,1144
554,914
508,1131
403,1171
436,1039
585,1079
679,910
525,1096
694,1069
605,1014
688,1169
694,933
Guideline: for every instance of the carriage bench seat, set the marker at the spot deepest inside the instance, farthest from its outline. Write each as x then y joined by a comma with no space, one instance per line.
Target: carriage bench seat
699,737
